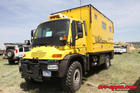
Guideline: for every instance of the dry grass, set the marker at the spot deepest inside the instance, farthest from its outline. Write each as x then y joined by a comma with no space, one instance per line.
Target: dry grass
125,68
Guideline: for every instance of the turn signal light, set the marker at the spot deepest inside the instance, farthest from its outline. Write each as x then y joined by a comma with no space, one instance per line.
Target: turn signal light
57,55
63,38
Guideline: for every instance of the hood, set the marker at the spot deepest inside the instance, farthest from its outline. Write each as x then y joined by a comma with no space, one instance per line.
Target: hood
46,53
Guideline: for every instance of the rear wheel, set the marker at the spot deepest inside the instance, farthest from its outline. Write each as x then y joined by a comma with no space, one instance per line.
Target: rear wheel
10,61
107,62
73,80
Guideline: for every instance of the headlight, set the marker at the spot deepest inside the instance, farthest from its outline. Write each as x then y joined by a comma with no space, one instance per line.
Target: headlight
52,67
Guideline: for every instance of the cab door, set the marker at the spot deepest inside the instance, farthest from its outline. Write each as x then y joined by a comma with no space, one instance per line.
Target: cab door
79,37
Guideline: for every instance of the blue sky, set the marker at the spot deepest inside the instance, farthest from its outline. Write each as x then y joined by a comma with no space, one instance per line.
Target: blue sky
19,17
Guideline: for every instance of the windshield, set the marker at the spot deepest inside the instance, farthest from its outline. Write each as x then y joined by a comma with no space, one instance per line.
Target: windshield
49,33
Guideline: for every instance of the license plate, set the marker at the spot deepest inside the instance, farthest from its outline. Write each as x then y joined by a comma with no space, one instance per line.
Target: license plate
47,73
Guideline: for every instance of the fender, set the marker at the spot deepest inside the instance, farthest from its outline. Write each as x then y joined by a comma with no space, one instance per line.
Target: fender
65,63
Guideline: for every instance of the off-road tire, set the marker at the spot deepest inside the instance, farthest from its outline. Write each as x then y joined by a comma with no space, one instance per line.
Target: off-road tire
107,63
71,83
29,80
10,53
10,61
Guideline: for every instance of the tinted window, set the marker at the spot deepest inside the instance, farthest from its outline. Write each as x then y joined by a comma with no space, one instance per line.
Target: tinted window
20,49
73,28
26,49
103,25
53,29
49,33
95,16
109,29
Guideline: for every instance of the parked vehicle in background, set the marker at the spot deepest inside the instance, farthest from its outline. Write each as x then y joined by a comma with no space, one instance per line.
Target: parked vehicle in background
68,45
1,51
124,49
14,51
119,49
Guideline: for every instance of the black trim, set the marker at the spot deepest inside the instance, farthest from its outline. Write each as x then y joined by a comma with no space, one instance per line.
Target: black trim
101,52
85,28
73,29
68,60
81,7
90,15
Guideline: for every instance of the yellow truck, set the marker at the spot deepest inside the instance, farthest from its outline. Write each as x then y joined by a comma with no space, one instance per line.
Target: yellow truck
68,45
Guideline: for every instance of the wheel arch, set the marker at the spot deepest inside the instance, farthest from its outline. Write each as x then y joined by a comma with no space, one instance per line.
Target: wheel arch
69,59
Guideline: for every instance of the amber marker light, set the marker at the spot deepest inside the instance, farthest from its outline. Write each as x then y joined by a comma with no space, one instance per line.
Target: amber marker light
63,38
57,55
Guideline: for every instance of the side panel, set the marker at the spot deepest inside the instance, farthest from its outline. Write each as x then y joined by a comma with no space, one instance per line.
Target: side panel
102,32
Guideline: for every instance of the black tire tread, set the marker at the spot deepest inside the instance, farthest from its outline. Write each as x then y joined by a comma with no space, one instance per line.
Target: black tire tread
109,62
12,51
68,84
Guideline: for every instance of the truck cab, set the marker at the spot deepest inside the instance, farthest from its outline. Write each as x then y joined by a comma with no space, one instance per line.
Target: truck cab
58,38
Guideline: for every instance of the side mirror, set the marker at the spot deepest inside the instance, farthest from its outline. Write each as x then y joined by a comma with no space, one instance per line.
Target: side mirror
27,42
80,35
32,33
80,30
79,26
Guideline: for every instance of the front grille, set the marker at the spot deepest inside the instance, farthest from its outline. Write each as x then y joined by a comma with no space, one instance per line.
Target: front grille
38,54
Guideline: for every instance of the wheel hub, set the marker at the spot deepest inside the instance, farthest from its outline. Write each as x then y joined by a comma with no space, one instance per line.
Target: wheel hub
76,76
9,53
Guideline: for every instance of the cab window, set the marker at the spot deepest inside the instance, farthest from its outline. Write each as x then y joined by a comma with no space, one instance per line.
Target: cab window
20,49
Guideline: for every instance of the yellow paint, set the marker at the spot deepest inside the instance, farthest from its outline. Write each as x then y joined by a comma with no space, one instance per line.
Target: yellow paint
97,39
96,35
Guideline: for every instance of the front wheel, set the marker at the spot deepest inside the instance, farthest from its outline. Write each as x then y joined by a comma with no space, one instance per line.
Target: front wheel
73,79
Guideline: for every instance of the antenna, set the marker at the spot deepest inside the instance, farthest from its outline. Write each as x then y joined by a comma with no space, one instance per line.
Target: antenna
80,10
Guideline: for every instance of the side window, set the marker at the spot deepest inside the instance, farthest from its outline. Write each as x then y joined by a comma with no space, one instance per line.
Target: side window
20,49
103,25
110,29
26,49
95,16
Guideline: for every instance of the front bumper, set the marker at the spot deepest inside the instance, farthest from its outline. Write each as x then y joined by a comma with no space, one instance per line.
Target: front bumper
34,69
